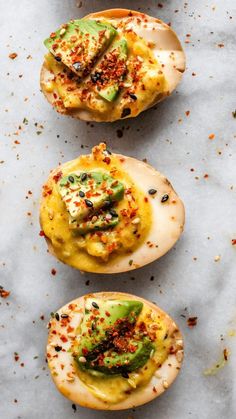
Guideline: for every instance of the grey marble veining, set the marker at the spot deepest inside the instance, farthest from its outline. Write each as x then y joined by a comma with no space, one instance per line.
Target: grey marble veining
187,281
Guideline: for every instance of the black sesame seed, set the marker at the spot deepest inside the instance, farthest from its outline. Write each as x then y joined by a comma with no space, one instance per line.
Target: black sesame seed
58,348
95,305
83,177
125,112
113,213
134,97
152,191
77,66
57,317
57,58
93,326
96,77
71,179
165,198
125,374
64,316
81,194
73,407
88,203
107,204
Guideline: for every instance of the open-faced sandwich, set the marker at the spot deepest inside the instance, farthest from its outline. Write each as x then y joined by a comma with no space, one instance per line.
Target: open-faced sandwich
111,65
108,213
113,351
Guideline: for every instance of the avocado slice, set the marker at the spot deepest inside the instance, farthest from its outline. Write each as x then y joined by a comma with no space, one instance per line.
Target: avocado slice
111,71
79,43
88,192
96,222
125,362
101,318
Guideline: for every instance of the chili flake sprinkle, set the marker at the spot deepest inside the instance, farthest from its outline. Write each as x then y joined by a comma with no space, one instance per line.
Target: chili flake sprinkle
192,321
13,55
4,293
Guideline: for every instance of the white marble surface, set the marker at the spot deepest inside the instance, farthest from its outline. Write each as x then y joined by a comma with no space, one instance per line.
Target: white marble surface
187,281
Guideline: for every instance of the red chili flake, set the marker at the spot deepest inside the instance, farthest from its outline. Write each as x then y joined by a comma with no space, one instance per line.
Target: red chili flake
42,317
206,176
233,242
13,55
53,35
226,354
187,113
221,45
154,389
41,233
57,176
85,351
53,271
16,356
4,293
70,329
192,321
107,160
63,338
211,136
145,199
107,313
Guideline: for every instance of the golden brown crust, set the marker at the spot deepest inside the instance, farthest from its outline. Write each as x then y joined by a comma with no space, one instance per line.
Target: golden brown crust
78,393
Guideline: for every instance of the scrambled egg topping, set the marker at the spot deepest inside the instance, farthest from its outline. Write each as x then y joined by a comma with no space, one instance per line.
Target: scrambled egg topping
113,389
141,78
91,250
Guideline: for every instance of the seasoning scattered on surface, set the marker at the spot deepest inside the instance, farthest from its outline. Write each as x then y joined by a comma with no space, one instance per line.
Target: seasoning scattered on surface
219,365
4,293
211,136
192,321
13,55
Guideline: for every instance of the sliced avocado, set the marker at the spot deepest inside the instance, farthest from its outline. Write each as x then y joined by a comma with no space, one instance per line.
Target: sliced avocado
111,70
101,318
83,195
96,222
79,43
124,362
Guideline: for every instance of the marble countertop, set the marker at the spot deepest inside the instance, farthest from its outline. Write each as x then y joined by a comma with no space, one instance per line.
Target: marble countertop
196,278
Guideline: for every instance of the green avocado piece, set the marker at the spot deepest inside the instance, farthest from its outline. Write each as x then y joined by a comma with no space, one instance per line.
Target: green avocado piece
125,362
101,318
79,43
98,222
109,83
87,193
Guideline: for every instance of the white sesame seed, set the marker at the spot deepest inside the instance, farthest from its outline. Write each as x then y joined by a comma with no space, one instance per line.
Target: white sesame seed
136,221
62,31
82,359
165,384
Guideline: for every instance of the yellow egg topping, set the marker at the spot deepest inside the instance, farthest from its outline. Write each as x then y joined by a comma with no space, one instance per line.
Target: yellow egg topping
130,218
113,389
125,80
112,347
